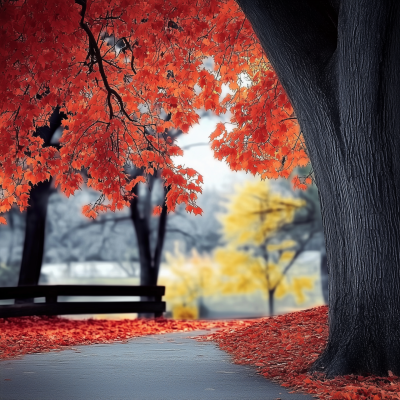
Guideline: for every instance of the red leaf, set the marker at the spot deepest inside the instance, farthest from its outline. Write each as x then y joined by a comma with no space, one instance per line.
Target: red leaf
157,210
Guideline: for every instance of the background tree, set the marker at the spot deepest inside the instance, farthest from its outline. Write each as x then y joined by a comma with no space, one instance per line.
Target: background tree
254,256
150,240
198,277
193,279
33,250
72,238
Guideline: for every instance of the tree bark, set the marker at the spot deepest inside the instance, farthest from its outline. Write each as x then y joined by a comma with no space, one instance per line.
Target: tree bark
324,277
149,263
203,309
340,67
32,254
271,294
142,229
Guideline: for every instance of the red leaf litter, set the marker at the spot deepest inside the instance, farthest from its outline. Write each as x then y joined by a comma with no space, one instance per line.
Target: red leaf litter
24,335
282,348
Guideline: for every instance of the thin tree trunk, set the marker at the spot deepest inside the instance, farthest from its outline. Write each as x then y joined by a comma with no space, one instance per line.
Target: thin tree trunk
162,224
149,264
341,70
32,254
12,234
271,294
142,230
203,310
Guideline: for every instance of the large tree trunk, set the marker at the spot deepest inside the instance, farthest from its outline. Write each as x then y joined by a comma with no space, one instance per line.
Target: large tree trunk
32,254
341,69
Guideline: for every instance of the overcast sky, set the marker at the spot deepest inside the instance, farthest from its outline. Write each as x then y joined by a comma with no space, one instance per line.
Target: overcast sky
216,174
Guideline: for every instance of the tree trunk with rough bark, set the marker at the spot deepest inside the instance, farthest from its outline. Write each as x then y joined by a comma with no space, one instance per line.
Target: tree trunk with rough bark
339,62
32,254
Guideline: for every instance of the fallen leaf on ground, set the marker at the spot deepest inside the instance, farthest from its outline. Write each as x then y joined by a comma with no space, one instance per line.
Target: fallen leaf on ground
282,347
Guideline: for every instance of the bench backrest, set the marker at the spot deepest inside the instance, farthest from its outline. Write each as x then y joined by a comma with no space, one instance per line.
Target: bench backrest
21,294
80,290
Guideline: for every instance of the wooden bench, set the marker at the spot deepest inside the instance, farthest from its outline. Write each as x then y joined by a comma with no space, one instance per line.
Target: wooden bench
53,307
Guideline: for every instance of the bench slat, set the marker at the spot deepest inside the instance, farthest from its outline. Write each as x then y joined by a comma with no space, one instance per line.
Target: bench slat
80,290
18,310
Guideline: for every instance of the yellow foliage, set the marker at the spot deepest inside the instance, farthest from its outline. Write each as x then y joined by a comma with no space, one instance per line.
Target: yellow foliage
240,272
254,213
192,278
286,244
274,275
185,312
299,284
254,216
244,273
283,289
286,256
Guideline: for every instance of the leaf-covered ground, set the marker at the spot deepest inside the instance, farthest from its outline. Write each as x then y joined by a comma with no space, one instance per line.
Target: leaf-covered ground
285,346
281,347
26,335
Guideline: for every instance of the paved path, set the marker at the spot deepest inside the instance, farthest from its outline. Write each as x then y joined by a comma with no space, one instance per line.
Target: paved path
158,367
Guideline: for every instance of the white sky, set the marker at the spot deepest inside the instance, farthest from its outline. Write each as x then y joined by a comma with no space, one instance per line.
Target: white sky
216,174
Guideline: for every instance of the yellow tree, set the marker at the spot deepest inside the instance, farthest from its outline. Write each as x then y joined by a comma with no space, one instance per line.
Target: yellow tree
252,259
191,279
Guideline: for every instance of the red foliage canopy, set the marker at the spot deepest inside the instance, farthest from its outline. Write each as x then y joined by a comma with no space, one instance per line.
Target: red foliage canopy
56,54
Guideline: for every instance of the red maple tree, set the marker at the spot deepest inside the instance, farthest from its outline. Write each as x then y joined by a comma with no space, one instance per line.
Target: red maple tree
55,54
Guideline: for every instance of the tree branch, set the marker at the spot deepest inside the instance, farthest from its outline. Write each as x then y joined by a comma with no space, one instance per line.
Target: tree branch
298,252
93,46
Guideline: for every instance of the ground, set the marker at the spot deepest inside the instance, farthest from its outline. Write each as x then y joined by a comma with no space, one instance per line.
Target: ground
282,347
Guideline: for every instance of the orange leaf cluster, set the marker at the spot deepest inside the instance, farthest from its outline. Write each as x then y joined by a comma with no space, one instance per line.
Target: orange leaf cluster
114,68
